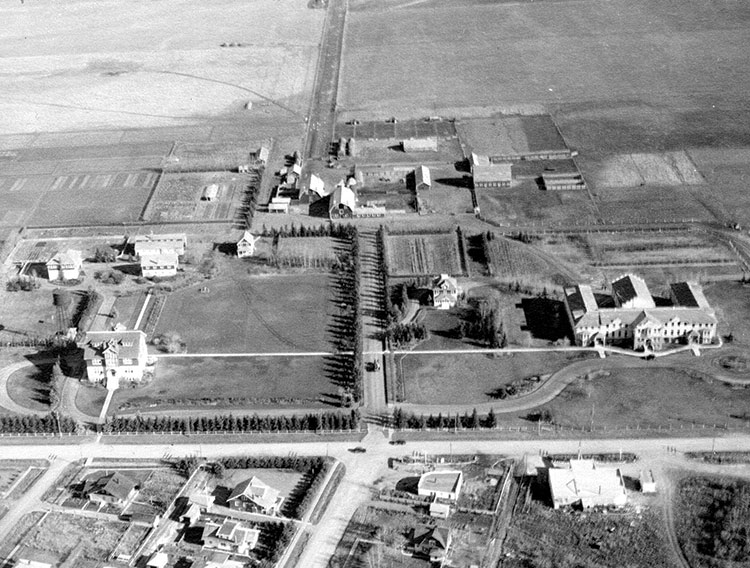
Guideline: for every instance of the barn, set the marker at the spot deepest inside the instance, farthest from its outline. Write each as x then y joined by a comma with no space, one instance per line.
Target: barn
343,203
422,180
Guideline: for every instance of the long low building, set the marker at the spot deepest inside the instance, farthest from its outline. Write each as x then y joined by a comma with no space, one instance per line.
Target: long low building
634,321
441,484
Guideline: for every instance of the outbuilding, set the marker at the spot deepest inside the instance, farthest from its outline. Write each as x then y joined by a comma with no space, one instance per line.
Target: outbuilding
343,203
422,180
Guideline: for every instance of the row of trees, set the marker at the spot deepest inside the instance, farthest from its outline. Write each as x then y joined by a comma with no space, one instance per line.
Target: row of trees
326,421
402,334
23,282
485,323
355,303
402,419
48,424
335,230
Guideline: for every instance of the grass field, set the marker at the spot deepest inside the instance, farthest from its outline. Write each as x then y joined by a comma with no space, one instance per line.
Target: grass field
29,387
466,379
634,170
179,196
26,312
252,314
208,384
423,254
308,252
169,73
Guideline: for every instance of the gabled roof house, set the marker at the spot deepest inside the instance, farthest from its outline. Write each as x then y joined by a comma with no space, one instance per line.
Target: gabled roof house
255,496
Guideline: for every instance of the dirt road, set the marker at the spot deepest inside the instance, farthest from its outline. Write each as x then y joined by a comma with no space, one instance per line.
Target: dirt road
372,346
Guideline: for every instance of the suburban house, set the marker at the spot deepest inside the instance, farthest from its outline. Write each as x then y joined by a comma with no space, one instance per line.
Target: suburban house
445,292
586,485
343,202
420,144
422,180
487,174
115,355
431,542
635,321
65,265
230,536
159,244
110,489
161,265
255,496
246,245
441,485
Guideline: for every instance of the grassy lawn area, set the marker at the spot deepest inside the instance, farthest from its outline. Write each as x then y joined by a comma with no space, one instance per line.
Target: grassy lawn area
260,314
258,382
29,386
26,312
466,379
645,396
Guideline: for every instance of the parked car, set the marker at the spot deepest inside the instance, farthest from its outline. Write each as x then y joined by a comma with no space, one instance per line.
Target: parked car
398,442
358,450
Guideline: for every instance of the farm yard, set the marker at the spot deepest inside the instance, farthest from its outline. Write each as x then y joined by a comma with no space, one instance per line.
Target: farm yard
652,205
180,196
427,254
252,314
512,260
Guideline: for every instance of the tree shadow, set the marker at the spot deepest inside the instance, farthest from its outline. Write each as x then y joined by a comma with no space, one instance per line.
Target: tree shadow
464,182
408,485
545,318
321,207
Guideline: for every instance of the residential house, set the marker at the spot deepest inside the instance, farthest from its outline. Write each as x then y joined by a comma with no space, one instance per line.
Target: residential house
587,485
230,536
635,321
431,542
159,244
445,292
115,355
65,265
109,489
422,179
279,205
159,265
255,496
246,245
440,510
441,484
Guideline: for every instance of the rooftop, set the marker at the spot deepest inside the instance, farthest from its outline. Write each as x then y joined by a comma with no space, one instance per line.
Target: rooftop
443,481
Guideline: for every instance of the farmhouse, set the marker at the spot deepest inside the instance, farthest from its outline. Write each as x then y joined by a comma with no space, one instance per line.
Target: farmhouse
255,496
445,292
65,265
586,485
343,202
441,484
210,192
422,181
246,245
159,265
110,489
160,244
115,355
431,542
230,536
317,186
635,321
420,144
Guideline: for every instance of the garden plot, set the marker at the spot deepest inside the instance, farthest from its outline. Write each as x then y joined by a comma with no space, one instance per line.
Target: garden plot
211,156
415,255
309,252
183,197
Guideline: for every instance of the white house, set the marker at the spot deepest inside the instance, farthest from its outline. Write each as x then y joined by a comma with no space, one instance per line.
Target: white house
635,321
280,205
159,265
445,292
648,483
255,496
586,485
246,245
65,265
230,536
115,355
159,244
441,484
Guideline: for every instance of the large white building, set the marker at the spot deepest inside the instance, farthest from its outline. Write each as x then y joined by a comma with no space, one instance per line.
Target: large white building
441,485
159,265
586,485
65,265
115,355
159,244
630,317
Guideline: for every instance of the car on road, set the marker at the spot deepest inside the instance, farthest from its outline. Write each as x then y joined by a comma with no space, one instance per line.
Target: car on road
358,450
397,442
373,366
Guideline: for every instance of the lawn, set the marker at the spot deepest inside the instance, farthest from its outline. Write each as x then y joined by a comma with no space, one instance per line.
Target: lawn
253,314
711,521
643,395
223,385
467,379
27,313
30,386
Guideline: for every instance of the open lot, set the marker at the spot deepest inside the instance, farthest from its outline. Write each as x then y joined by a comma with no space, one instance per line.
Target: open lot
180,196
634,170
216,385
511,135
252,314
428,254
171,72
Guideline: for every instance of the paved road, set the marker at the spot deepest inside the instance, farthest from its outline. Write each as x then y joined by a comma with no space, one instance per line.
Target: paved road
322,117
371,286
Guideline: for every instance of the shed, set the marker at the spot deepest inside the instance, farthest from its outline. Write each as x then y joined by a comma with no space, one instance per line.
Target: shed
210,192
158,560
440,510
648,483
422,179
280,205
